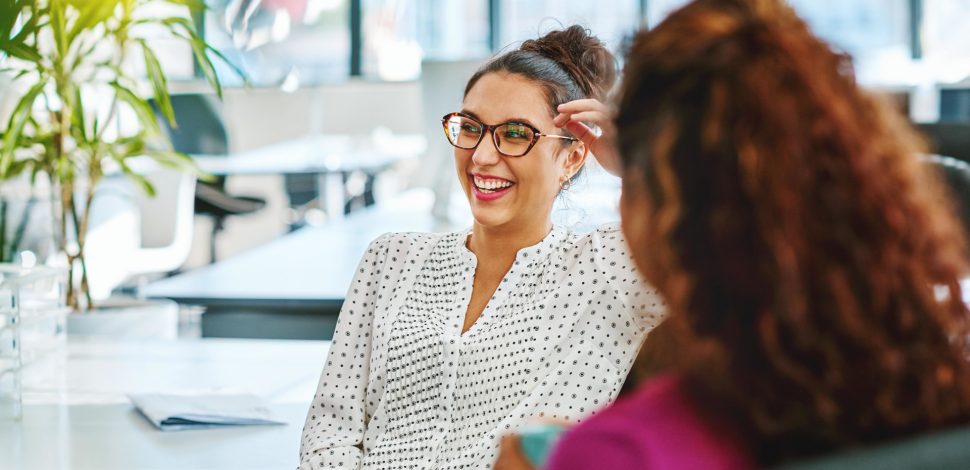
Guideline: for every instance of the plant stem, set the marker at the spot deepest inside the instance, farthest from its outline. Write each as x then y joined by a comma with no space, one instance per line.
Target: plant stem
80,230
3,231
67,202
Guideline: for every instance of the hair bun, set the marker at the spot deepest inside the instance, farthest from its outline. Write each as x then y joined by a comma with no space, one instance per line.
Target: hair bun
583,56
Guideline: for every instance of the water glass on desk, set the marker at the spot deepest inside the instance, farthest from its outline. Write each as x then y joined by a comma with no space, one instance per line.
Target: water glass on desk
32,318
10,365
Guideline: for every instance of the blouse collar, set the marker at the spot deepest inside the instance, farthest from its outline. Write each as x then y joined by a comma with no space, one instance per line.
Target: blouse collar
525,256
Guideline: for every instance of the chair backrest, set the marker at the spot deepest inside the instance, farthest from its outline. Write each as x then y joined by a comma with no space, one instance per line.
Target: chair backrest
956,174
946,450
951,139
955,104
200,127
167,222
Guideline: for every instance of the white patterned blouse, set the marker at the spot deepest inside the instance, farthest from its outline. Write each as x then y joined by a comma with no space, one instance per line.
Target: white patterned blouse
402,386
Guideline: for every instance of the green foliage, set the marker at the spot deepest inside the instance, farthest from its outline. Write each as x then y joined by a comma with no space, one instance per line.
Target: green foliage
68,55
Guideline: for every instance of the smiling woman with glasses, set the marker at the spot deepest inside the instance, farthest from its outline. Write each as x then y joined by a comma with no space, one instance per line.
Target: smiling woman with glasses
447,342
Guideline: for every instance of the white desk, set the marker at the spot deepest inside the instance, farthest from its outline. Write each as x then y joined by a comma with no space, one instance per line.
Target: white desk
76,415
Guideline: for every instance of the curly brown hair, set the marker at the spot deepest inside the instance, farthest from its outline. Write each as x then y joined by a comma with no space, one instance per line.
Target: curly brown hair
811,272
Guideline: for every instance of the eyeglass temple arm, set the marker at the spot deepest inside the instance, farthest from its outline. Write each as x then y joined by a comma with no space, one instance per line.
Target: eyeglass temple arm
557,136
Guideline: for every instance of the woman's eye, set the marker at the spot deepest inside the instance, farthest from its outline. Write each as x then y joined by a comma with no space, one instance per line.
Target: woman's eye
470,128
515,133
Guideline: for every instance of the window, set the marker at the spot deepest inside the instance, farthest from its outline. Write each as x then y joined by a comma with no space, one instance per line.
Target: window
286,43
874,32
398,34
526,19
454,30
946,38
863,28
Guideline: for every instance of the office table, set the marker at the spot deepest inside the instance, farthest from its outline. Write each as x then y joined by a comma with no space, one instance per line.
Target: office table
329,157
77,416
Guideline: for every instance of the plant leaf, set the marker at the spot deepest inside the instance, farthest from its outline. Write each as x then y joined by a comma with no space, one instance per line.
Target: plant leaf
21,51
159,83
199,49
15,127
9,12
195,6
141,180
21,74
77,117
91,13
176,160
58,25
146,116
238,71
193,37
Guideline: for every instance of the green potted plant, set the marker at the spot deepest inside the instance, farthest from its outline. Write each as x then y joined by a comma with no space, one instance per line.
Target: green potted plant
73,61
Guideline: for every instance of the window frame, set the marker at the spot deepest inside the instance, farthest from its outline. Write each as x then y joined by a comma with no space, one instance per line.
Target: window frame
355,18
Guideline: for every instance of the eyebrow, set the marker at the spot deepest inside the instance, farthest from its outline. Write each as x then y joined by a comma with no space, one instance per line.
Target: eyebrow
516,120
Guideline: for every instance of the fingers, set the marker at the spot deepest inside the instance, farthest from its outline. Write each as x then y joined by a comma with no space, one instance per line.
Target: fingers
509,442
583,105
584,110
582,132
510,455
595,117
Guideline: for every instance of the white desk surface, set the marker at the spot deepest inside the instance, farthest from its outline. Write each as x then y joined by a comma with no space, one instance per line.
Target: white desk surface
76,414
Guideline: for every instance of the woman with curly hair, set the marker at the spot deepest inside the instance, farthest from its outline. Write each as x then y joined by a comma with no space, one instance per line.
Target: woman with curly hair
811,275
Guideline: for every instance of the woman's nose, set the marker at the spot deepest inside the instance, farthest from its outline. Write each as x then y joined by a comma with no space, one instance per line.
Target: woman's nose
486,153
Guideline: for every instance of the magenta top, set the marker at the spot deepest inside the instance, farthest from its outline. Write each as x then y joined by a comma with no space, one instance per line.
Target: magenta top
655,428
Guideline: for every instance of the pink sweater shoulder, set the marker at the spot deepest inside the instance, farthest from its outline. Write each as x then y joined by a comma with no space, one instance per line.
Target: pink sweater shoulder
655,428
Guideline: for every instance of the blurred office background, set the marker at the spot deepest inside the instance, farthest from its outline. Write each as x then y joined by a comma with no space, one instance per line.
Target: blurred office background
335,140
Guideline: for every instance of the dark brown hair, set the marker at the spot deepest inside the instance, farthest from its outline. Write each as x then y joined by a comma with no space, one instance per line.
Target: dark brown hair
569,65
811,274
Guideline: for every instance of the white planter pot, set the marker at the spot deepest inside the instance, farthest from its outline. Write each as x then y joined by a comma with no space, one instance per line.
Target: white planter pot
128,318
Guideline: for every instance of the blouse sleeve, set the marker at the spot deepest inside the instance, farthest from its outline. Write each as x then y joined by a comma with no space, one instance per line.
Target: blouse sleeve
335,424
611,254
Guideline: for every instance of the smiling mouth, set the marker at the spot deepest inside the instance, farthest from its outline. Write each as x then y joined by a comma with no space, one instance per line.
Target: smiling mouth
489,186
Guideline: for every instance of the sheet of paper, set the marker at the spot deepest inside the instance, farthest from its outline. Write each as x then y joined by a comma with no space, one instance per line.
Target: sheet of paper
169,412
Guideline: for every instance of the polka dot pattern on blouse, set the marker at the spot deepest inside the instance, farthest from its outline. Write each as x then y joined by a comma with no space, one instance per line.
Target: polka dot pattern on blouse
403,388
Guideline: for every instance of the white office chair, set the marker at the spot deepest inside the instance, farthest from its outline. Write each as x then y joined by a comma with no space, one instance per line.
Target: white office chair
166,223
132,234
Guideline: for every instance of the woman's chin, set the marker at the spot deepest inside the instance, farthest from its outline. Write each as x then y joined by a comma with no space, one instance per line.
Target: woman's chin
490,216
488,220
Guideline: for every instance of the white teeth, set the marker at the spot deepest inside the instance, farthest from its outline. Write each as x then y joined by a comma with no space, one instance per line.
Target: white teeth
491,184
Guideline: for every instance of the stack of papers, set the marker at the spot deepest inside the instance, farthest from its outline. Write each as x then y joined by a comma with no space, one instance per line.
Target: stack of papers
180,412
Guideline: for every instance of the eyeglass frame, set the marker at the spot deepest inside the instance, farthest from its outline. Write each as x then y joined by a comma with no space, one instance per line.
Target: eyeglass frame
490,128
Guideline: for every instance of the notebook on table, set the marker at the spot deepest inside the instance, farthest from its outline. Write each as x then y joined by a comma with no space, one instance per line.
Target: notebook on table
170,412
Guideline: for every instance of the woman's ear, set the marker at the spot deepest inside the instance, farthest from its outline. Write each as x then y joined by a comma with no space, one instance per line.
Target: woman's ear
575,158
